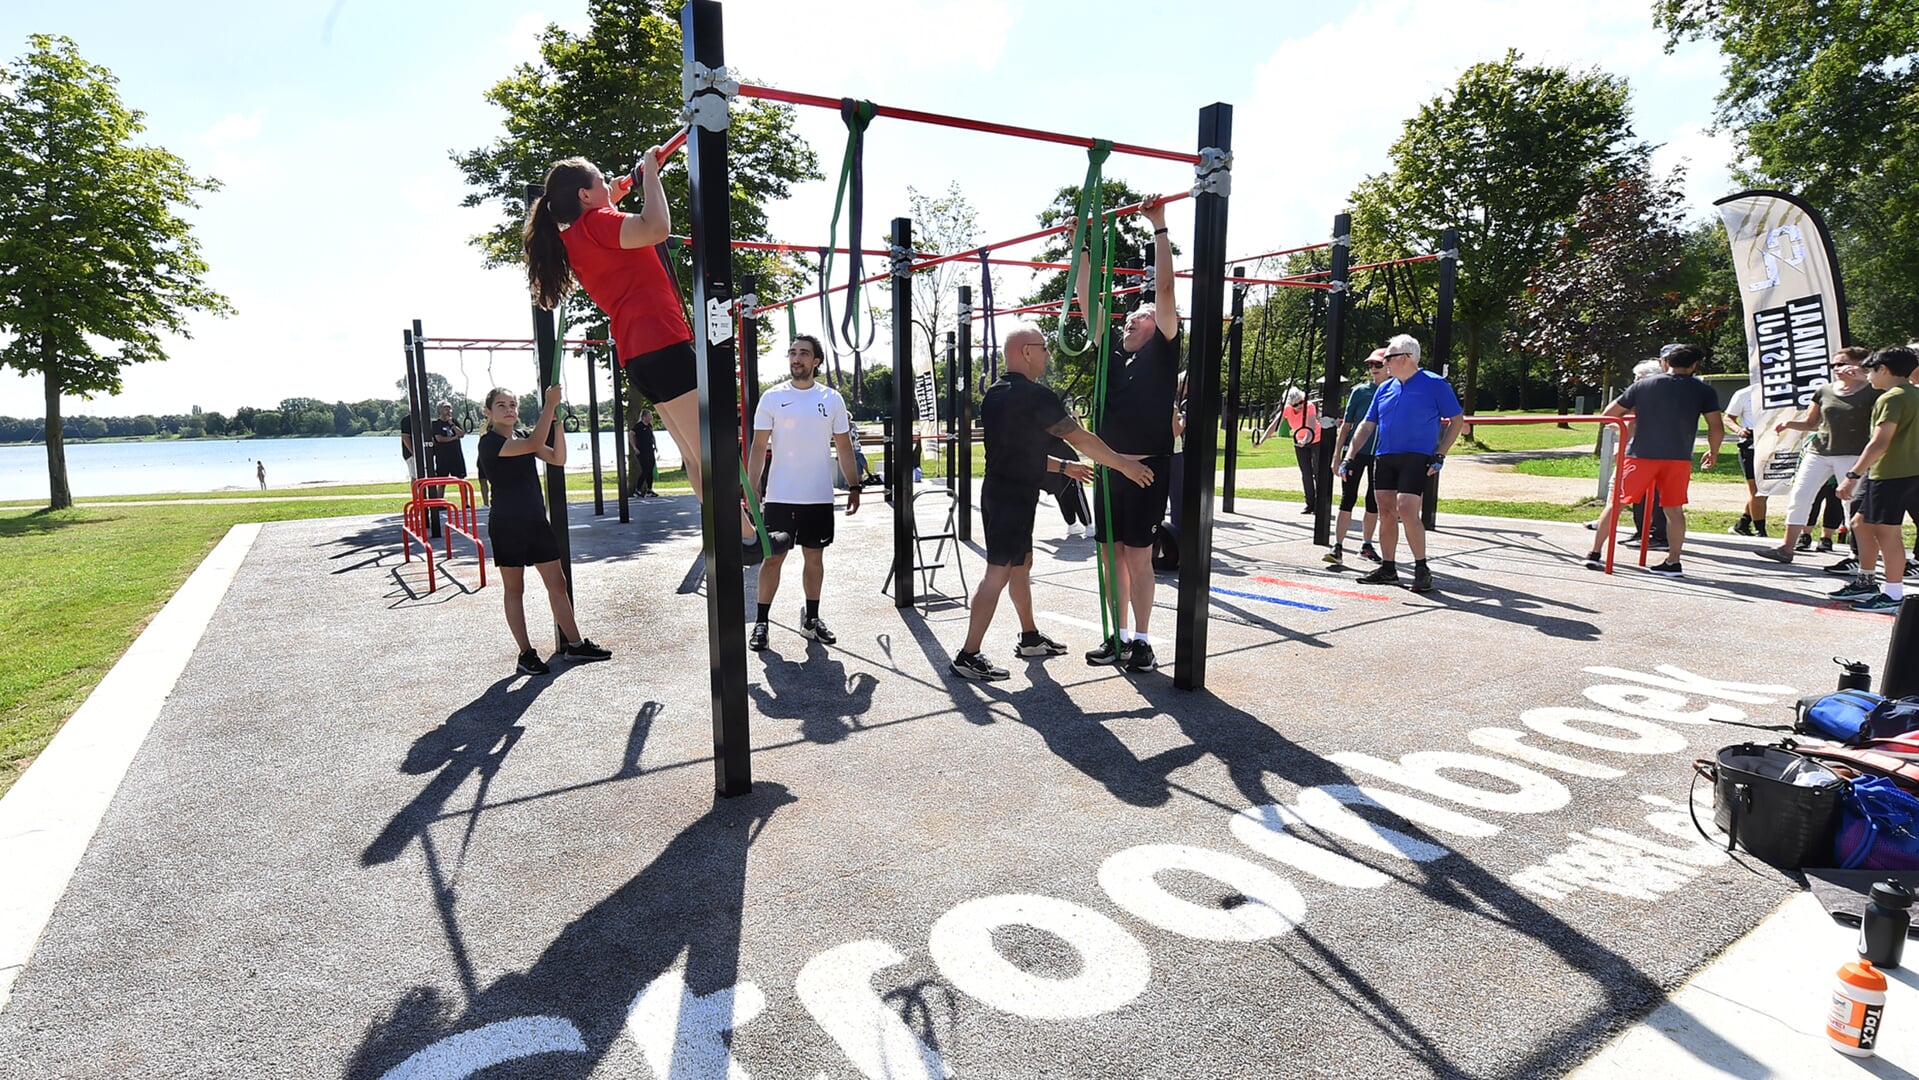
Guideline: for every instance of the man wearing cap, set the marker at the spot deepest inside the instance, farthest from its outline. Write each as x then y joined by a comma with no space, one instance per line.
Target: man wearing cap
1362,467
1666,410
1889,467
1416,416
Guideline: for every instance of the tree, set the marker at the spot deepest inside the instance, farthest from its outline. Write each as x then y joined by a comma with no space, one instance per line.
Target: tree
606,95
1504,156
1822,97
266,424
941,226
91,247
1603,296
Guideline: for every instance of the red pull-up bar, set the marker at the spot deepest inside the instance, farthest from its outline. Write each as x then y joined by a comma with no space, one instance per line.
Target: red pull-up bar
788,97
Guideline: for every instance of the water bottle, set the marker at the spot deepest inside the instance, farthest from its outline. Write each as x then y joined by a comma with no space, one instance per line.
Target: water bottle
1882,932
1858,1001
1853,674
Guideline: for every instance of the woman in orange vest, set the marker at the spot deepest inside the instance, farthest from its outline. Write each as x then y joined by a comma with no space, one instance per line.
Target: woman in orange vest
1302,417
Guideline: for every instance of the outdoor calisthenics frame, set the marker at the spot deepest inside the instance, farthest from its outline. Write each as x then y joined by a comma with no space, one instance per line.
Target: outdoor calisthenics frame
708,89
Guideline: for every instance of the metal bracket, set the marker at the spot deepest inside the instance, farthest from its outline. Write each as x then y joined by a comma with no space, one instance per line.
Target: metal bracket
697,77
708,112
1214,172
1344,240
1340,287
719,321
902,262
1149,281
1449,255
747,304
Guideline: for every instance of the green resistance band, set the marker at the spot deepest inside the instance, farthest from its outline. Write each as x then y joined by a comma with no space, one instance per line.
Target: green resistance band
1086,229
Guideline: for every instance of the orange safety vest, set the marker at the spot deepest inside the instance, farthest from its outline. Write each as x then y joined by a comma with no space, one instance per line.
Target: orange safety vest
1304,420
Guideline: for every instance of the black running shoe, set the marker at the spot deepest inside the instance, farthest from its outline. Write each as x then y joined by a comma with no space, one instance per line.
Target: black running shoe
1594,561
1141,658
976,666
1844,568
1336,556
1857,589
1825,545
1422,578
1045,646
1778,555
1804,543
531,664
756,638
1386,574
1110,651
1366,552
816,629
1667,569
584,651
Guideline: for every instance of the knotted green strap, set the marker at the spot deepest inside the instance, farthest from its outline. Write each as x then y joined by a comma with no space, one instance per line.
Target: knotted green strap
1086,220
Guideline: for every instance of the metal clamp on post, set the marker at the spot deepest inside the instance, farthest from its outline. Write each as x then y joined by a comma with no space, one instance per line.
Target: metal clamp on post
1339,287
1344,240
1215,172
1449,255
746,305
708,111
902,261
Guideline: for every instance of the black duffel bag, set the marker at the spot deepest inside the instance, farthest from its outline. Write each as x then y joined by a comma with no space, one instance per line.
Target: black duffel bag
1777,804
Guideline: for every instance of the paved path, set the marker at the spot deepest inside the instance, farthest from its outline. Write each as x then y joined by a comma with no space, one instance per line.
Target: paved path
1467,478
1439,835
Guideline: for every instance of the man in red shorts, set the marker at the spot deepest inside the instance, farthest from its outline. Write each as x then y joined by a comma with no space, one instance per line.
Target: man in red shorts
1666,411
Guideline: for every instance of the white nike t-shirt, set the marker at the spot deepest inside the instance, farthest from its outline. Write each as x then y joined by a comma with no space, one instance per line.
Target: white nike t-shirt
803,423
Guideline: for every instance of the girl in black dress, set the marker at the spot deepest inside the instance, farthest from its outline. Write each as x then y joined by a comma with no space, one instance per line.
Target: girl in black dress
516,525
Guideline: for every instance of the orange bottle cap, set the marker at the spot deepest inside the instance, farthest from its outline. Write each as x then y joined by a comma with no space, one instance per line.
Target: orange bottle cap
1863,975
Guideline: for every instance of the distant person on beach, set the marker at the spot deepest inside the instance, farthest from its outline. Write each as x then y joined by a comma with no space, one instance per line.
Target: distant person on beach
517,530
260,470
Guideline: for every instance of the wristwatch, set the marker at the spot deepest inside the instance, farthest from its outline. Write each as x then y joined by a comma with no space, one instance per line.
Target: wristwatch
1853,476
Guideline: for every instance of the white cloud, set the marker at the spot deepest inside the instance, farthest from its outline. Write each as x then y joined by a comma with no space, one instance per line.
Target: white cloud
235,128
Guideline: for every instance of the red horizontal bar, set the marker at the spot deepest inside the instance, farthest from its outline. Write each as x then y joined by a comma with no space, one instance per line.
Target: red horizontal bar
791,98
1367,266
1286,251
512,344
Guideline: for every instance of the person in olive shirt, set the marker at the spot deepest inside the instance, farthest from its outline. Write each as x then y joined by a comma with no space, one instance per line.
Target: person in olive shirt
1143,387
1889,465
1361,467
1841,414
1021,419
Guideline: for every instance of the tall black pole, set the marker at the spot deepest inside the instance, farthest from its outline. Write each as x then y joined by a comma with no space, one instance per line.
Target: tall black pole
425,449
593,423
963,414
412,405
1442,348
622,437
545,348
1230,417
711,227
952,407
1329,387
899,471
749,358
1202,392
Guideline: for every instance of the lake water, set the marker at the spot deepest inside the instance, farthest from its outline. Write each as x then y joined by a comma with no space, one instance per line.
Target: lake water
149,468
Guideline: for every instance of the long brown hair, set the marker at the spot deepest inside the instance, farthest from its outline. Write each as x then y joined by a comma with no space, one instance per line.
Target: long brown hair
548,273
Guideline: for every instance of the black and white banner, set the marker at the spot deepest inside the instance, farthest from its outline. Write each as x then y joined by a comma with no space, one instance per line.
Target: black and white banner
1795,318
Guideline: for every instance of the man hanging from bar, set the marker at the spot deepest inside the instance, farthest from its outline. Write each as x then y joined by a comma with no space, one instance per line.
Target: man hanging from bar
1137,420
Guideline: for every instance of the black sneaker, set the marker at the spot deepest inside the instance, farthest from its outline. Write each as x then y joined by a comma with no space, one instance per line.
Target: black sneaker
756,637
1110,651
1856,589
1879,602
1045,646
1844,568
1742,527
1141,658
1387,574
1594,561
531,664
1804,543
1825,545
584,651
1778,555
1422,578
976,666
1366,552
1336,557
816,629
1667,569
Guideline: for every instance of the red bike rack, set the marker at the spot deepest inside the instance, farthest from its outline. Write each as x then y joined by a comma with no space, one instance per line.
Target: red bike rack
463,518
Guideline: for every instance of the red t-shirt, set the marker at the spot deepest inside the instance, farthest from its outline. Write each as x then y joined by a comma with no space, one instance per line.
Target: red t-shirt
629,284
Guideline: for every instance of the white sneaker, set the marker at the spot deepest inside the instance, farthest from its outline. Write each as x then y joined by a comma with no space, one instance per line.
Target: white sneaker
1076,531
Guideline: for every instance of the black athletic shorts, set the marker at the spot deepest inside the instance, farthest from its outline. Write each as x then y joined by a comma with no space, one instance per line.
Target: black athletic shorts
518,538
1745,459
1361,468
1006,513
1137,510
665,374
811,524
1886,502
1404,473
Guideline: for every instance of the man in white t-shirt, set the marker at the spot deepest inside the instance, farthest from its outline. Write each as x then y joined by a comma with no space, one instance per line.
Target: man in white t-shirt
802,419
1742,412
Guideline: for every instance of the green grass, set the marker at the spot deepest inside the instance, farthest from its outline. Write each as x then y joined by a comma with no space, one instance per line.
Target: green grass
1586,466
577,481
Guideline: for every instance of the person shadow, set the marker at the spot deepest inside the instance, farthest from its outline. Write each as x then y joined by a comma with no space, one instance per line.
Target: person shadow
662,949
814,690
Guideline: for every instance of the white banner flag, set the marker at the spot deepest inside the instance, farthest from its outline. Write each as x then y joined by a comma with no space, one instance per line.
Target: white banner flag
1795,318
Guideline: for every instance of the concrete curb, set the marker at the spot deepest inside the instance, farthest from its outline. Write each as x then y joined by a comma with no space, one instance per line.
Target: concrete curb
49,817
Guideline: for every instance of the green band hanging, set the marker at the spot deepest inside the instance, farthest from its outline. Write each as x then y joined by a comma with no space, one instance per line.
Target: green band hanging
1086,220
559,347
1109,598
850,195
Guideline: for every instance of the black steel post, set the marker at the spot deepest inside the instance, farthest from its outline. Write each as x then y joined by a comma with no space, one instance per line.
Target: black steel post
952,407
749,358
963,415
710,223
1442,349
425,450
1329,386
412,404
623,437
545,346
1202,394
1230,417
899,471
593,425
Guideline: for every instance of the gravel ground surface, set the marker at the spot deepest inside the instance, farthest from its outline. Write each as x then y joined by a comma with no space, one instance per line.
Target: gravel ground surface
1397,835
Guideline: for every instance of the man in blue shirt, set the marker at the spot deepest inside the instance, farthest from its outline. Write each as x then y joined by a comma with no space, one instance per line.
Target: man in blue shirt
1416,416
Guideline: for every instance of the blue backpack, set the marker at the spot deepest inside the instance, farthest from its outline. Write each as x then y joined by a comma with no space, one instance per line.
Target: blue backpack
1856,717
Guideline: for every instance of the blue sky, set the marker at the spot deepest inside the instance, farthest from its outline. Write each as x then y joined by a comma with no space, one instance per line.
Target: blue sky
330,123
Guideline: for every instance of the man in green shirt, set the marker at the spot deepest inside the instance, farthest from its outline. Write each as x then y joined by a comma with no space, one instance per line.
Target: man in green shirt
1889,465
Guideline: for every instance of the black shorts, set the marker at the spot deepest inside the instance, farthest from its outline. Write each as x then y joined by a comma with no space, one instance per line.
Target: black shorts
1404,473
1745,459
520,538
1006,515
811,524
1887,502
1361,468
665,374
1136,510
